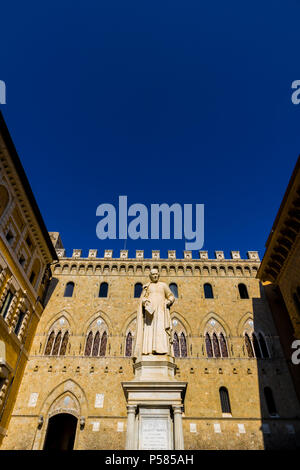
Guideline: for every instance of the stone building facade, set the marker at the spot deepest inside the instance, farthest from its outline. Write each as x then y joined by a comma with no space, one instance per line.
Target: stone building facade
25,254
280,271
239,392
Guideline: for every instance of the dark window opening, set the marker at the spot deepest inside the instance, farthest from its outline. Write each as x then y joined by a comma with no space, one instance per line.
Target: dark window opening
9,237
249,346
243,291
183,348
208,345
208,291
103,291
56,344
128,348
103,344
22,261
64,344
270,401
69,289
96,344
256,346
19,322
176,345
88,346
32,277
224,398
174,289
263,346
29,242
138,289
223,345
6,304
49,344
216,346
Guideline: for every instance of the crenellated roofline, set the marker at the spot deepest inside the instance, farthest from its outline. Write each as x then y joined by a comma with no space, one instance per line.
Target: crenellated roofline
187,256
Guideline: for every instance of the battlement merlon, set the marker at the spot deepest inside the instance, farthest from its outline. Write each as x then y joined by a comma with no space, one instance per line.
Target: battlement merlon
187,255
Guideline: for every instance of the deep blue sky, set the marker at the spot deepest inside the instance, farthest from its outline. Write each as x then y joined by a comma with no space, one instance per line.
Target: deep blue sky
162,101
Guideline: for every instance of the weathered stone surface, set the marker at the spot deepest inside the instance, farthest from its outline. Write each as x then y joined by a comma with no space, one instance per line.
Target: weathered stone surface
84,377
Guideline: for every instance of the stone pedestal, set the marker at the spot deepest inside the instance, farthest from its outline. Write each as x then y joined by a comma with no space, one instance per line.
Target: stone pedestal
154,403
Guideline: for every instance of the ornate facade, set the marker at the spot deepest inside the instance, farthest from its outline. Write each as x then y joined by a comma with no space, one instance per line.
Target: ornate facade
239,391
25,254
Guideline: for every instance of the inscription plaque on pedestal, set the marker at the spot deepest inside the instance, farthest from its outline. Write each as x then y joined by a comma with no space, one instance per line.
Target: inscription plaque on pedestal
154,434
155,430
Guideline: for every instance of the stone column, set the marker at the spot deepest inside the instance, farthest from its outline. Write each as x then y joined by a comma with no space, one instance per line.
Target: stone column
178,432
130,434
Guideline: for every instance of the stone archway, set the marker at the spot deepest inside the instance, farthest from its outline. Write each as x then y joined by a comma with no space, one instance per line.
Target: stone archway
66,398
61,432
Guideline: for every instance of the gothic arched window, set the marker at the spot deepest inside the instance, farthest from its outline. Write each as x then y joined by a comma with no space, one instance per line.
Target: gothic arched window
216,346
64,344
224,398
88,345
208,345
103,291
49,344
96,344
69,289
56,344
138,289
243,291
208,291
249,346
183,348
223,345
103,344
128,347
263,346
256,346
176,345
174,289
270,401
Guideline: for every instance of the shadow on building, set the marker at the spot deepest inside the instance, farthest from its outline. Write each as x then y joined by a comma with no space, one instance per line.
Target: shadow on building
279,403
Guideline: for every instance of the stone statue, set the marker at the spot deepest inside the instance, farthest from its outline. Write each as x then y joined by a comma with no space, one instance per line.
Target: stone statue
153,318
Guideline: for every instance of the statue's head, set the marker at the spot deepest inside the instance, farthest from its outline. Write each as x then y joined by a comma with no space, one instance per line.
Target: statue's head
154,275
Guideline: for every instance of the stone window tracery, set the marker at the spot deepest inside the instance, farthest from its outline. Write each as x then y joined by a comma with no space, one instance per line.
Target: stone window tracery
128,347
96,339
215,340
256,345
58,338
179,338
129,338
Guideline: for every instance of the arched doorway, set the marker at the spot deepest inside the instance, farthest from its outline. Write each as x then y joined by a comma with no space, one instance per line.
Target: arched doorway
61,432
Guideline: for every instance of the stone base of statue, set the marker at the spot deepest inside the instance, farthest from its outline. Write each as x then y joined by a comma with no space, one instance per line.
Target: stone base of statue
154,367
154,404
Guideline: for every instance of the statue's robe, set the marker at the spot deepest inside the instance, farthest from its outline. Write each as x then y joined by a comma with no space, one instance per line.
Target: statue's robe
153,331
